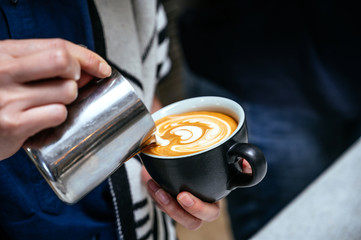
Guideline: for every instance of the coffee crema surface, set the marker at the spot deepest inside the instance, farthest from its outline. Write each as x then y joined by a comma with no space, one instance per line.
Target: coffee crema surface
191,132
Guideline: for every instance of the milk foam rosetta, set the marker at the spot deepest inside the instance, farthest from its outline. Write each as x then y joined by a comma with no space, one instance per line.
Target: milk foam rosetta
190,132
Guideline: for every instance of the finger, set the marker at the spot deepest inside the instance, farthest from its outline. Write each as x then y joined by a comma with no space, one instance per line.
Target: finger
84,79
22,47
47,92
36,119
205,211
145,175
246,167
43,65
21,125
17,48
156,105
90,62
170,206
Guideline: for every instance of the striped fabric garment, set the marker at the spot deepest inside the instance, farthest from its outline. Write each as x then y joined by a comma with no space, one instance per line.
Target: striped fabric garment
137,45
136,41
132,202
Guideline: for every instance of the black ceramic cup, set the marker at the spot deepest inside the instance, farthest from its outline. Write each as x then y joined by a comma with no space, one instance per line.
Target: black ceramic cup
213,173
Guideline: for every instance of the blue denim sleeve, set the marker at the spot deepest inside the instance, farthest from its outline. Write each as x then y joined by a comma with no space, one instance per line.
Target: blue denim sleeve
29,209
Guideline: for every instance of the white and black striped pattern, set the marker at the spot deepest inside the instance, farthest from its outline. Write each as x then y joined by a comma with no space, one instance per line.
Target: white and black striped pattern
136,41
163,61
137,44
132,202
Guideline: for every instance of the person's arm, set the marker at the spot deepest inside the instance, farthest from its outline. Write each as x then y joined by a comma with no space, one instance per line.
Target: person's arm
38,77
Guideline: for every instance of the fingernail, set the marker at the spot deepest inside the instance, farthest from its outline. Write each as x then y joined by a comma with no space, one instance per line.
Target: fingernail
162,196
105,69
153,186
186,200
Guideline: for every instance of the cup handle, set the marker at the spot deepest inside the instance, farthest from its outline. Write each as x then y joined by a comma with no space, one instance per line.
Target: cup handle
254,157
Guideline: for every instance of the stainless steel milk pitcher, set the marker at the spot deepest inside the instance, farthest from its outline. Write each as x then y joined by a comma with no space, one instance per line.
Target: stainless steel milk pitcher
106,125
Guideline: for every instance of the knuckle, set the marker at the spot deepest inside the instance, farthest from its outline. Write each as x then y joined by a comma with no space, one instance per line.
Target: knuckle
55,115
59,114
197,209
6,99
7,70
171,210
60,59
58,43
70,91
205,213
63,61
59,55
194,225
213,217
8,124
211,214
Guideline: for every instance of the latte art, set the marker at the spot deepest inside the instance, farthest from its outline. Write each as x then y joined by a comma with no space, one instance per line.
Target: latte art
187,133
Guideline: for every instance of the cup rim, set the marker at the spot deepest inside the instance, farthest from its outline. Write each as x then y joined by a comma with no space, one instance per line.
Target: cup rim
205,103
